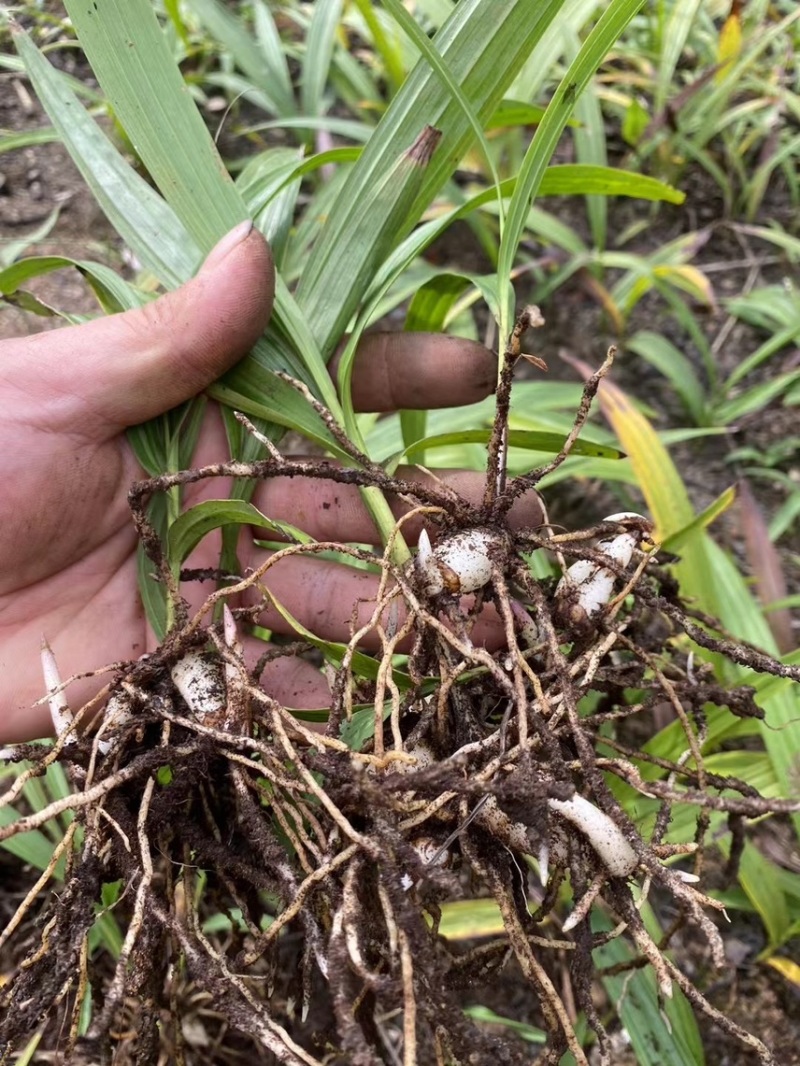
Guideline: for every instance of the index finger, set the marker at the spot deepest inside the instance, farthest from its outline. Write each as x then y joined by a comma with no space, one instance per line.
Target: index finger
419,371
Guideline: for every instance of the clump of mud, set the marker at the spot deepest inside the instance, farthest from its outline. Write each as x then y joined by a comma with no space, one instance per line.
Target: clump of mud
326,857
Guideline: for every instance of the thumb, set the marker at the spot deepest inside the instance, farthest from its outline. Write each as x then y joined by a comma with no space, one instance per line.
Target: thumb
117,371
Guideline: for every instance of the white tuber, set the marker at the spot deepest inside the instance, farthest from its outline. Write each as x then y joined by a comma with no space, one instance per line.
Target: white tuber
200,683
603,834
115,716
586,587
459,564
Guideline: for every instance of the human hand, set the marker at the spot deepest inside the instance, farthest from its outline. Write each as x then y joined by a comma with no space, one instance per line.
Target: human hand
67,543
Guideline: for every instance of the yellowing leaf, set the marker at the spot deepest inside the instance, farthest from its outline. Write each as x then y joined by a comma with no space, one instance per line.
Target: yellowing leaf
658,478
729,46
606,301
468,918
691,280
790,970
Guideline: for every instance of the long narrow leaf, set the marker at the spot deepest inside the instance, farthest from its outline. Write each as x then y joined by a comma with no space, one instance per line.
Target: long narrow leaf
146,224
231,32
483,43
319,49
420,39
150,99
614,19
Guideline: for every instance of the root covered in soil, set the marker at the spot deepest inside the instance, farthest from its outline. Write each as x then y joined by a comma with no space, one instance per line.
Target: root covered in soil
446,773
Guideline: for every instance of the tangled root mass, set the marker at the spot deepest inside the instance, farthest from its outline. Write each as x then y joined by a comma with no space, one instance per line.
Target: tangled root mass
452,773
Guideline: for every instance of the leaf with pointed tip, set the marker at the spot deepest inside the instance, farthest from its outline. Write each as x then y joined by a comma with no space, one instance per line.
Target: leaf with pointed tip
189,528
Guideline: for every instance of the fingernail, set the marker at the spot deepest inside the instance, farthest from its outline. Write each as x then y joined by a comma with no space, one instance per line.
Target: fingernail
228,243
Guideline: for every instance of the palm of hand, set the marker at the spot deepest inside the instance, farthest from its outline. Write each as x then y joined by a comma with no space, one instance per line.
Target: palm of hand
67,544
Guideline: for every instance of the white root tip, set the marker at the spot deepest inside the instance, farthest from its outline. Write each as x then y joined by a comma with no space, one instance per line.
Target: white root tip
603,834
620,516
231,635
229,626
544,863
430,852
426,565
570,922
465,560
424,549
60,713
421,753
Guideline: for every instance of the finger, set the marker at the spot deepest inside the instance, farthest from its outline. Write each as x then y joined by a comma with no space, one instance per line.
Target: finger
288,679
329,511
136,365
393,371
332,601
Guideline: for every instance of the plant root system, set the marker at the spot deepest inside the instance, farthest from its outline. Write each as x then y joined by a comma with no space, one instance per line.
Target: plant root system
327,859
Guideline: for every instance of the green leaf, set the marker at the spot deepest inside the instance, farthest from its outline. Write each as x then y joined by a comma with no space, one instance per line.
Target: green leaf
147,92
360,728
517,438
257,58
717,507
635,122
389,50
558,180
739,613
317,58
755,398
514,113
466,919
137,212
673,364
524,1031
276,68
612,22
12,142
757,878
483,45
32,847
432,301
681,18
109,286
655,1041
164,776
26,1054
420,39
130,58
256,391
189,528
